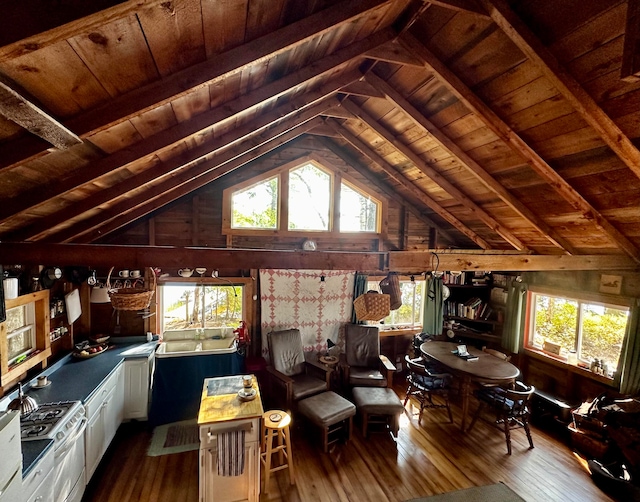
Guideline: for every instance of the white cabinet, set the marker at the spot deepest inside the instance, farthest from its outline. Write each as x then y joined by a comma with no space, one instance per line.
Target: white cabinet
105,410
137,382
246,487
10,457
39,482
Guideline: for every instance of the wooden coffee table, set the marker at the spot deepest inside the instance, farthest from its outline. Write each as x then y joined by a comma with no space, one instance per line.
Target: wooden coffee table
486,368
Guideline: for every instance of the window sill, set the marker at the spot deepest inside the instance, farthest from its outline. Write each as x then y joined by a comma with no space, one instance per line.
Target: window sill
560,362
386,331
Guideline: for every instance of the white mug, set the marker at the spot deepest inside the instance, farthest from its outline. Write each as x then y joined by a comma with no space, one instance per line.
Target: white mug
123,273
135,274
185,272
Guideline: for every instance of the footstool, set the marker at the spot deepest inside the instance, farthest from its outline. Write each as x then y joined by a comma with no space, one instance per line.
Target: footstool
332,413
378,405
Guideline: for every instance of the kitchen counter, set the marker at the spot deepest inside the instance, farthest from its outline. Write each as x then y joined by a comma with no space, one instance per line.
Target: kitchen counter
32,451
74,379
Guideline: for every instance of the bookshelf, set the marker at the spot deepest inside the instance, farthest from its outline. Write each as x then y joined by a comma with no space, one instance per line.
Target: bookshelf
473,310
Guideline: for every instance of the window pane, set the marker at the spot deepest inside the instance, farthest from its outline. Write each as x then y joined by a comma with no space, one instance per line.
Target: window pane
410,312
20,343
603,330
358,212
309,198
555,321
16,318
256,206
197,306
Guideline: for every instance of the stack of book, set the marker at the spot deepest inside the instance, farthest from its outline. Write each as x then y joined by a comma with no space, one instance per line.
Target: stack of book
474,308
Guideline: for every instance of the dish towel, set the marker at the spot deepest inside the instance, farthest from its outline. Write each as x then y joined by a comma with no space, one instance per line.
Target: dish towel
231,453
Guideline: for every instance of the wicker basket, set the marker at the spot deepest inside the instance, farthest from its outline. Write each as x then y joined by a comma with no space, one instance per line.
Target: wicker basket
131,298
390,285
371,306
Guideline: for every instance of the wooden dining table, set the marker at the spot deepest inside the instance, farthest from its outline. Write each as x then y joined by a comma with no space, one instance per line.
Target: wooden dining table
487,368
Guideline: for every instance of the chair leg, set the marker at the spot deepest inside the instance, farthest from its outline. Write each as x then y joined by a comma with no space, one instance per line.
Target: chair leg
525,422
507,434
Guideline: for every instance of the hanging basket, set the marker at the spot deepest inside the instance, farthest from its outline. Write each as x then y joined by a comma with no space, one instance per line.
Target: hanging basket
130,298
371,306
390,285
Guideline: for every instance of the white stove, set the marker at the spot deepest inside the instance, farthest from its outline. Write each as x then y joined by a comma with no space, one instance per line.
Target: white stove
64,422
52,421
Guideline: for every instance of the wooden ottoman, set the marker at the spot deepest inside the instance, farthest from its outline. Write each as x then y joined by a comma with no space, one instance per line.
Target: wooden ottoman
332,413
378,405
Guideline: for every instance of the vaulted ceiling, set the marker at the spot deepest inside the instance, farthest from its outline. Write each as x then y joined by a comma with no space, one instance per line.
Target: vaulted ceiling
506,125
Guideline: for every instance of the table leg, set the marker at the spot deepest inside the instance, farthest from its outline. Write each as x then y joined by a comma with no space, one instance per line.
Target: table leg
465,389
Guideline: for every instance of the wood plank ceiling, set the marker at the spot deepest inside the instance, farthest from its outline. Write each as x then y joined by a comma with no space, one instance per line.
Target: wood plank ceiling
505,125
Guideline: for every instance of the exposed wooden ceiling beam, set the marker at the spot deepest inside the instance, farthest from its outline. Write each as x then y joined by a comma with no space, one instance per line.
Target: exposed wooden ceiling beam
630,70
232,62
16,106
367,151
362,88
518,145
167,138
408,261
93,255
128,210
384,188
311,104
520,34
435,176
469,6
469,163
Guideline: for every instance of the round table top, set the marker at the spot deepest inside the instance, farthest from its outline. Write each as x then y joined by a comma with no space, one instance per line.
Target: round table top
486,367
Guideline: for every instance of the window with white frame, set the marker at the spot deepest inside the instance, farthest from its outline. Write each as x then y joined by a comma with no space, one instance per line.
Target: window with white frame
410,312
595,330
188,305
21,332
303,197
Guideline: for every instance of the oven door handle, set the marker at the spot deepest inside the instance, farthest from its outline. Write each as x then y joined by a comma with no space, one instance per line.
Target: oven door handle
68,444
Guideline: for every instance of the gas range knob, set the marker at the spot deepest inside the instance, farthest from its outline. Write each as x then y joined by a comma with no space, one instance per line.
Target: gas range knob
69,425
59,435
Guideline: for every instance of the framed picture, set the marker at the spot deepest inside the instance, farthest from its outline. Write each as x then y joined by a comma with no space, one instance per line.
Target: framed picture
611,284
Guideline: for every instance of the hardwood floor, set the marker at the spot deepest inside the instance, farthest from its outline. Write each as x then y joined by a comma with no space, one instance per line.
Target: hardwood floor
433,458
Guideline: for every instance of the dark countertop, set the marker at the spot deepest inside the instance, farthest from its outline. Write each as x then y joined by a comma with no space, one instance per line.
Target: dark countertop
74,379
32,451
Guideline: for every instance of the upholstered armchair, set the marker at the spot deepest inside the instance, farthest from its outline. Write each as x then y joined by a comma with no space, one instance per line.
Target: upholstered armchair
362,363
291,375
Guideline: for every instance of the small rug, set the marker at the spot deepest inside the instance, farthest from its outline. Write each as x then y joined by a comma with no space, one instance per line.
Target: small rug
490,493
176,437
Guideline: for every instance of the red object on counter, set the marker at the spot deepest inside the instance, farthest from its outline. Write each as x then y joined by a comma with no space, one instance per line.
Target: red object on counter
242,333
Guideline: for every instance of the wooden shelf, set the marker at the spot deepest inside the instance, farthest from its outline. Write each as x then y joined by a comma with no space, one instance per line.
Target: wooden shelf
466,319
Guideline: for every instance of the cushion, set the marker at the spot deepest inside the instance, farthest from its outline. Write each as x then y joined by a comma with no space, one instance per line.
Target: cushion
377,401
429,383
306,385
326,409
362,345
285,349
366,377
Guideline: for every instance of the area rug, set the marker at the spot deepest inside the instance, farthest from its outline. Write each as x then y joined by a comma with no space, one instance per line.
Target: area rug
176,437
490,493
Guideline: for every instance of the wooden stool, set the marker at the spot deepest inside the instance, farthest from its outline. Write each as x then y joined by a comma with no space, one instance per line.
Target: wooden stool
275,427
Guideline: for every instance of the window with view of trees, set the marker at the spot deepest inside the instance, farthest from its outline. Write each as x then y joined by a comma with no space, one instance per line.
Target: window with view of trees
410,312
187,306
314,198
594,330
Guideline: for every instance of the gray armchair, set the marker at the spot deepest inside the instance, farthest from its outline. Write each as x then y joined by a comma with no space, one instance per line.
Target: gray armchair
363,365
289,370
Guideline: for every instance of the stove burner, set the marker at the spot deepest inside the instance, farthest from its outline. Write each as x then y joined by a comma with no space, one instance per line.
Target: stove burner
34,431
48,420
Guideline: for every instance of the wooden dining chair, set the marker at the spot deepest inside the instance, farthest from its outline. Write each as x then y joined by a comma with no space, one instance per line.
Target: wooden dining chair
511,408
423,384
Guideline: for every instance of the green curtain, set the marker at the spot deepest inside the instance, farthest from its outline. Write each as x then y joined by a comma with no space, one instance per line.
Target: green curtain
513,328
359,288
628,373
433,307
